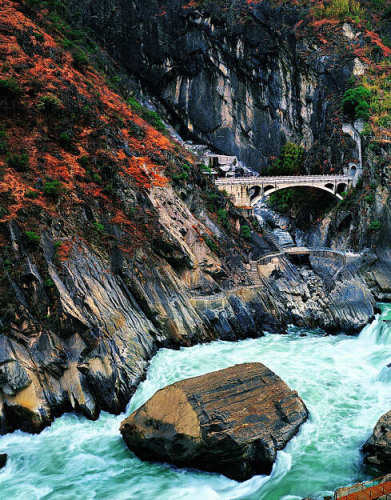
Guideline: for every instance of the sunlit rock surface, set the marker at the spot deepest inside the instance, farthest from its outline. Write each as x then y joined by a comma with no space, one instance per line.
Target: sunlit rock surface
231,421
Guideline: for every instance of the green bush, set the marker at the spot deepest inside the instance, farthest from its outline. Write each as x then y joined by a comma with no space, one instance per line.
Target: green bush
32,237
99,227
49,103
96,178
65,139
32,194
385,121
80,59
211,244
245,232
150,116
183,176
84,161
283,200
375,225
18,161
355,103
343,9
211,198
108,188
39,37
52,189
9,88
369,198
3,142
290,161
222,217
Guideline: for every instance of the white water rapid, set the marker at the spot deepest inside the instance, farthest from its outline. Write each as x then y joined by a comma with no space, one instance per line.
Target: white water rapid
344,381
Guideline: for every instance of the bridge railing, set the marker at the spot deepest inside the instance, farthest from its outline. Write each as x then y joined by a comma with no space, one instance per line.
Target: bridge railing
310,250
285,179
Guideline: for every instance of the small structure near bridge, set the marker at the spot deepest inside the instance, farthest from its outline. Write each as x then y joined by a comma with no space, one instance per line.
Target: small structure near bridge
221,165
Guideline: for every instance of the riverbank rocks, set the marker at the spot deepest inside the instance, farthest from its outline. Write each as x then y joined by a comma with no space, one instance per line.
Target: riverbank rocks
378,447
231,421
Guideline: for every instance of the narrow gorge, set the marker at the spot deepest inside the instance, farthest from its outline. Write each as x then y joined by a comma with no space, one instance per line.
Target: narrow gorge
185,187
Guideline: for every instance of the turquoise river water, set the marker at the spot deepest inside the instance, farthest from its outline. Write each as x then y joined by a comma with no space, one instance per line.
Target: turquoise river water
343,380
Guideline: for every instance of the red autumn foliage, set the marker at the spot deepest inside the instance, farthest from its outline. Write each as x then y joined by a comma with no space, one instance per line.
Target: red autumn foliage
49,74
64,250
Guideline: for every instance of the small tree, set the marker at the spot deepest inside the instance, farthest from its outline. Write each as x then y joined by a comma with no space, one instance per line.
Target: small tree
245,232
52,189
355,103
9,88
290,161
18,161
49,103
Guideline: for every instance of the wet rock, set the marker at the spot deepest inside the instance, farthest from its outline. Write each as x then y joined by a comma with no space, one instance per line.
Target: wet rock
13,377
301,296
231,421
3,460
377,449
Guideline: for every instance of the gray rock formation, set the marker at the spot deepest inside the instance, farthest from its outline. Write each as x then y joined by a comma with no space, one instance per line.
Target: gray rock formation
242,83
91,352
231,421
377,449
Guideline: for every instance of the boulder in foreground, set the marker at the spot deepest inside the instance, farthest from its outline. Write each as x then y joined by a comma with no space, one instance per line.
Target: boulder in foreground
231,421
378,447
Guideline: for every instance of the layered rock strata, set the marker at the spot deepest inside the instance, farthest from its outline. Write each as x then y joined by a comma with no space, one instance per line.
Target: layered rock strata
231,421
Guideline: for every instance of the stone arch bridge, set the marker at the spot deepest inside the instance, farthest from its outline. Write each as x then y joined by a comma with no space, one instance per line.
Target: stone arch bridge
247,191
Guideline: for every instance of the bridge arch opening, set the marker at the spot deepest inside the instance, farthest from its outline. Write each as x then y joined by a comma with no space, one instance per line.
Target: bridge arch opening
255,193
329,188
341,188
266,189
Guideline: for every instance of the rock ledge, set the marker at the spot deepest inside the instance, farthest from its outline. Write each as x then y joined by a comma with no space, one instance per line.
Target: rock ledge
378,447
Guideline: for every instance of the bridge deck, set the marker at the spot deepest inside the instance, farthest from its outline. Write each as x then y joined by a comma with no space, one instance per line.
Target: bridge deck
288,179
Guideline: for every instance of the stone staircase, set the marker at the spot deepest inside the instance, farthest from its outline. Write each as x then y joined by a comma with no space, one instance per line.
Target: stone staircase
270,237
284,238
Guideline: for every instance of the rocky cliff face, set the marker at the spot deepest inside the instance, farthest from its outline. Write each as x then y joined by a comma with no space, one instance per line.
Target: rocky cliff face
105,314
110,242
240,78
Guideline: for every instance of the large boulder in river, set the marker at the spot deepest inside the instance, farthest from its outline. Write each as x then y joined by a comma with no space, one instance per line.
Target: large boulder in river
378,447
231,421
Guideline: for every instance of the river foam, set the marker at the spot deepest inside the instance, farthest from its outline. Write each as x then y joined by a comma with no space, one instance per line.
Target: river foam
344,381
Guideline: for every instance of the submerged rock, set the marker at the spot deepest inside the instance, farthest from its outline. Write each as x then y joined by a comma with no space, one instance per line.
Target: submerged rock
231,421
378,447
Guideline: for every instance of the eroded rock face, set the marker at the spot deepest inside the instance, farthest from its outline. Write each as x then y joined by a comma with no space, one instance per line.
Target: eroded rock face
231,421
244,88
378,447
